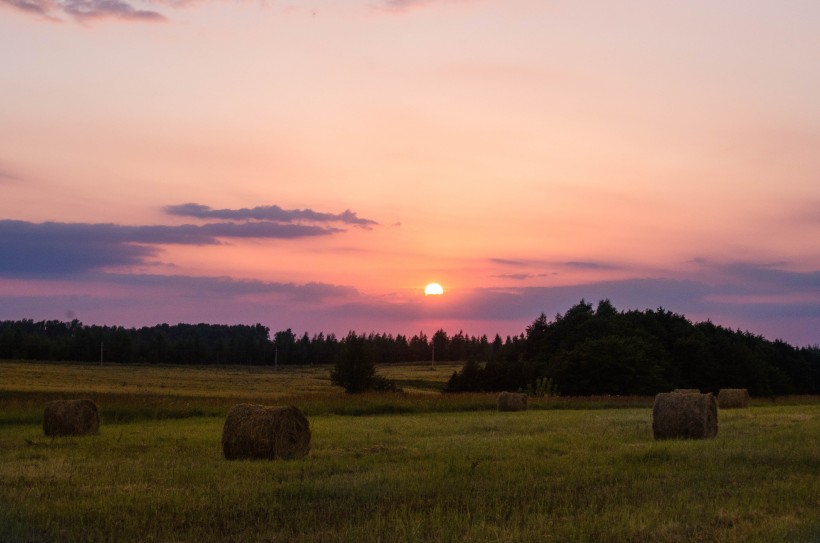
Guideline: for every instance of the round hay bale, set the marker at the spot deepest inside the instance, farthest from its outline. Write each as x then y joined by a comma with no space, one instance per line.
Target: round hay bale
265,432
730,398
686,391
71,418
512,401
692,416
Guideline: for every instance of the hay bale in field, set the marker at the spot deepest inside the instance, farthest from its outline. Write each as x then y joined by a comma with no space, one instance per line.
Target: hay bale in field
512,401
729,398
691,416
686,391
71,418
265,432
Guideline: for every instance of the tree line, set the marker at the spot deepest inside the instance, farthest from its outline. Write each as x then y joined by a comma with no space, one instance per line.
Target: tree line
223,344
590,351
584,351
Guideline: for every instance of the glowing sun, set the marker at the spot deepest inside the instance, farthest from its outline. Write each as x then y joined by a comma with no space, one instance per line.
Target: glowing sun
433,289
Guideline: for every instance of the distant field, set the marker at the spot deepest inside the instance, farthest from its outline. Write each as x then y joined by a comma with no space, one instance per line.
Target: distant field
135,392
214,381
428,467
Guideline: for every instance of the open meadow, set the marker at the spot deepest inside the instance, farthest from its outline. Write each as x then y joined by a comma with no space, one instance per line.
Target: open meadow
411,466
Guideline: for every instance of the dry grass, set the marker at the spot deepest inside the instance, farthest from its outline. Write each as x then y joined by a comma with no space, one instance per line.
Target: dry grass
540,476
262,382
424,467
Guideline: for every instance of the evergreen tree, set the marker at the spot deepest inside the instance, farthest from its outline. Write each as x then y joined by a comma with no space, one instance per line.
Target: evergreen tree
355,370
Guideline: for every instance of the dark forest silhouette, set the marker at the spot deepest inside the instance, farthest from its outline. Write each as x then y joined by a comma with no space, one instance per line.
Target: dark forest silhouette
584,351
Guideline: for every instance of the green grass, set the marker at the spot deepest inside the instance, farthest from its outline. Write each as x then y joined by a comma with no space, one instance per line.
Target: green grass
464,473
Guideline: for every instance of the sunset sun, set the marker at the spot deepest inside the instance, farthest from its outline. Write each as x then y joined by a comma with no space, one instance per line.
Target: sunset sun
433,289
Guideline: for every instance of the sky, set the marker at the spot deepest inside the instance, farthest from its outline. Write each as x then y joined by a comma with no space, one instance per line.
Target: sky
313,165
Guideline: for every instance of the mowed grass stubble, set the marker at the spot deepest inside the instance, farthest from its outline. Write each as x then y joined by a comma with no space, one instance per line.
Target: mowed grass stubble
545,475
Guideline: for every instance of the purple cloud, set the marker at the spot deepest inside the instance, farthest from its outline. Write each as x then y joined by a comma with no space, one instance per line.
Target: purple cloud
84,10
520,276
53,248
269,230
773,278
41,8
230,287
33,256
150,299
96,9
268,213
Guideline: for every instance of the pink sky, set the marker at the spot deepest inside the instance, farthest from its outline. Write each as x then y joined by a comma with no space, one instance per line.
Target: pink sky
341,155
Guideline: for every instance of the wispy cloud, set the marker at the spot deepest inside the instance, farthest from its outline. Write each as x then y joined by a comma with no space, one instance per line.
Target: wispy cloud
268,213
40,8
8,175
405,5
138,300
588,265
531,269
510,262
804,215
230,287
186,234
89,10
520,276
101,9
773,277
84,10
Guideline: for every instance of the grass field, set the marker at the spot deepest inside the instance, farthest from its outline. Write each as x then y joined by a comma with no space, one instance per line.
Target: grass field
418,466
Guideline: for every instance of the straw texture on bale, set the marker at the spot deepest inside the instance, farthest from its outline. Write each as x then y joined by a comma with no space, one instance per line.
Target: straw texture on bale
512,401
729,398
686,391
71,418
692,416
265,432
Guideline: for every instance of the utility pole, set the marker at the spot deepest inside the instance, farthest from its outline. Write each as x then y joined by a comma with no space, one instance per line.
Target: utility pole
101,353
276,359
